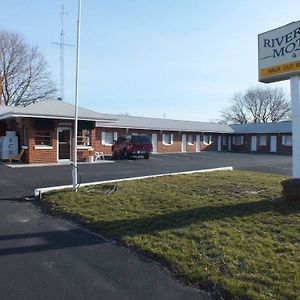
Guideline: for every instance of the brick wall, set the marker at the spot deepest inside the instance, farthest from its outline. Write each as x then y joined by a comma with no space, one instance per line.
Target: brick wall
246,146
209,147
282,149
97,143
175,147
25,130
35,154
39,155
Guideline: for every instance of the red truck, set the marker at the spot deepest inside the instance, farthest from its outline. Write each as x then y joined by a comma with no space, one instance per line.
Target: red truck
132,145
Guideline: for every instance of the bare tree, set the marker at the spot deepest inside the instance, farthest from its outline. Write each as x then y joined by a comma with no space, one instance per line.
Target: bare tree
24,71
258,105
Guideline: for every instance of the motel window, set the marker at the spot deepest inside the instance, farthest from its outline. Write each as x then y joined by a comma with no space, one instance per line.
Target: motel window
224,140
107,138
84,137
238,139
43,137
207,140
262,140
287,140
191,139
167,139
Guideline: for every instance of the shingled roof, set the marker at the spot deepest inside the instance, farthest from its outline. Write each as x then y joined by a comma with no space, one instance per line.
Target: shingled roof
167,125
53,109
279,127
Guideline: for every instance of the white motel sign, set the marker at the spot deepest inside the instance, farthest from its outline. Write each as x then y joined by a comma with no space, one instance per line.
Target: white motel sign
279,59
279,53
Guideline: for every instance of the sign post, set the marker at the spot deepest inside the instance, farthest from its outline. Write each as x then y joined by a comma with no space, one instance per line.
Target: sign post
295,97
279,59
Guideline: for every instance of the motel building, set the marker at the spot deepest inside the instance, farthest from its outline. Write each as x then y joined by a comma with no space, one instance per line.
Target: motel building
43,132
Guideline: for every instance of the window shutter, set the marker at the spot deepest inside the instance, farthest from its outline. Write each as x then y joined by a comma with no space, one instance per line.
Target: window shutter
283,140
242,139
171,139
115,136
103,137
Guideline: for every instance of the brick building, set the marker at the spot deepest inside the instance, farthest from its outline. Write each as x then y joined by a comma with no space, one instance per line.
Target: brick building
263,138
46,131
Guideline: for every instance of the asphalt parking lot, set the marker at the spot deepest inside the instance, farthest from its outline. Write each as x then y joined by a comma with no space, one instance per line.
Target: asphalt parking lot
47,257
21,182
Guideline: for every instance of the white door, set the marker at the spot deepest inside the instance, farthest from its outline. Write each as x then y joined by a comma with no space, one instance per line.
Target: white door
229,143
198,143
273,143
183,143
253,143
154,142
219,143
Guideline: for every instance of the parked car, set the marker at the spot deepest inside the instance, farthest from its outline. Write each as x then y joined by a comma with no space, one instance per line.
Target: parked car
132,145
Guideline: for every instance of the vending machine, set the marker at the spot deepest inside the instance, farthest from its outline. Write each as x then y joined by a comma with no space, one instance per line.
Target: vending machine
8,145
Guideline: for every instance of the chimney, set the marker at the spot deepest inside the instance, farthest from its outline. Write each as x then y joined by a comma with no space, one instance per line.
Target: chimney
1,89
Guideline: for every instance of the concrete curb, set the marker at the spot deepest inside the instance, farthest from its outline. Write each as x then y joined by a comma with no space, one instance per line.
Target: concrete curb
38,193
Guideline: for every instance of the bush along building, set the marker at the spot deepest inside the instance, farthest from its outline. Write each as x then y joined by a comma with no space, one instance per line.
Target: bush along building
45,132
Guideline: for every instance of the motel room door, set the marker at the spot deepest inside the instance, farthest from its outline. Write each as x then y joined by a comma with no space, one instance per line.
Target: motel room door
154,142
198,149
183,143
64,143
273,143
219,143
253,143
229,143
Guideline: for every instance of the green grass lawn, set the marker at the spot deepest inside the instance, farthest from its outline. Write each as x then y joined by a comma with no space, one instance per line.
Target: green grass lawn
225,229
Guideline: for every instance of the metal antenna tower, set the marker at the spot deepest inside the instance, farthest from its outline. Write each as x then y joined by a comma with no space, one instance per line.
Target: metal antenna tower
62,54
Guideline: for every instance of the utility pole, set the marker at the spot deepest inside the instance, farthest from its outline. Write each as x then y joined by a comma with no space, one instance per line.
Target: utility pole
61,45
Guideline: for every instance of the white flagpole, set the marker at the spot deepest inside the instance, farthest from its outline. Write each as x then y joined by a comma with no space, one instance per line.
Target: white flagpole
74,171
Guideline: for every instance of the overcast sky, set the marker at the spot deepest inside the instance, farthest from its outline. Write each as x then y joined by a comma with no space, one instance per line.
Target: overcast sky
180,58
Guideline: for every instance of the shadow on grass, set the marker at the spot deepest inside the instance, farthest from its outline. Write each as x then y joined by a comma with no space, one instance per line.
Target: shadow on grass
179,219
